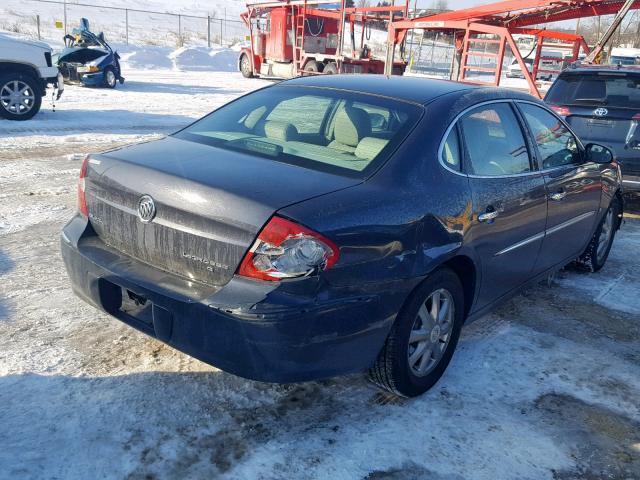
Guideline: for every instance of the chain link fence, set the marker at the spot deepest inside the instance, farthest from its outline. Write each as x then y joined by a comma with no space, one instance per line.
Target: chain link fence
52,19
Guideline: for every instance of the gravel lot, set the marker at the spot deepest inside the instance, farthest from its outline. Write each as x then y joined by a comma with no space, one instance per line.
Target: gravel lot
546,387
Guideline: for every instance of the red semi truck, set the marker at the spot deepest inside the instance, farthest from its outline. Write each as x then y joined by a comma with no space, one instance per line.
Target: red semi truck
307,37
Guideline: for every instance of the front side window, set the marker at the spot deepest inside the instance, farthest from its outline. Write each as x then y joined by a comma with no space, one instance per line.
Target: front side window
495,143
556,144
321,129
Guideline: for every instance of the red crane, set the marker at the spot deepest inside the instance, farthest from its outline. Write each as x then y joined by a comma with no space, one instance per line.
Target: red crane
494,25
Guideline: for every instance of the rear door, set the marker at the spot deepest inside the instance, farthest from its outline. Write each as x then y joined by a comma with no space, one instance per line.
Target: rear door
573,186
508,195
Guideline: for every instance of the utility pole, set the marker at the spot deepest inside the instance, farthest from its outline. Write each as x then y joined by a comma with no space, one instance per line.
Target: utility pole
391,46
65,17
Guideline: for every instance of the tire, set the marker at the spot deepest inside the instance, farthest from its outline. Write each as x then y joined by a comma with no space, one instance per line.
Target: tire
245,66
110,77
24,106
398,368
330,68
597,252
312,66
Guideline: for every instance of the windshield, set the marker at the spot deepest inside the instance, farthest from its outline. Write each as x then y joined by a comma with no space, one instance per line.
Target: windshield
620,60
615,90
318,128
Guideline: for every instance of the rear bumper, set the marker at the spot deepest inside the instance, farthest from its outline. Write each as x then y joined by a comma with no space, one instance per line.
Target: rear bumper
248,328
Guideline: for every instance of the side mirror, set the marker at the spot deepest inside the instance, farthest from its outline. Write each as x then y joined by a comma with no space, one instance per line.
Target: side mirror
598,153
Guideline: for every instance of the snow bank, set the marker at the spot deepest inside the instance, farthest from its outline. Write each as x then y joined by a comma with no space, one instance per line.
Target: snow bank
216,59
149,58
203,58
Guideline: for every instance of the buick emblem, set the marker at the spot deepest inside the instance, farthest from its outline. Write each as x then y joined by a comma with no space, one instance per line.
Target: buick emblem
146,209
600,112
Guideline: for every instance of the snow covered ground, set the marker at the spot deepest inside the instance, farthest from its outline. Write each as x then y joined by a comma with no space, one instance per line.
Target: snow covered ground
546,387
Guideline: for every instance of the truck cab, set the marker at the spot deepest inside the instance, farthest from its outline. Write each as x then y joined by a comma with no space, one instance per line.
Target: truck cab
295,38
26,70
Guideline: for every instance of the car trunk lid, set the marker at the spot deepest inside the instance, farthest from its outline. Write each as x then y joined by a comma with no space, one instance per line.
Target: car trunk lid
210,203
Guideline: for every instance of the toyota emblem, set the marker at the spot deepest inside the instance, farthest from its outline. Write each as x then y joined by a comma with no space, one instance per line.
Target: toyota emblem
146,209
600,112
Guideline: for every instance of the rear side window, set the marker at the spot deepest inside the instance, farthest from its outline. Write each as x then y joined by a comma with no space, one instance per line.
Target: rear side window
620,90
556,144
494,140
451,150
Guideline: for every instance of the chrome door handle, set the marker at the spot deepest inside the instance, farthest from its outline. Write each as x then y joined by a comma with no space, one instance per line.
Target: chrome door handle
484,217
558,196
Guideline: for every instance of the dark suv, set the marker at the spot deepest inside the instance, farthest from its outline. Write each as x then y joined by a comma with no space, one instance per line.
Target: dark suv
601,103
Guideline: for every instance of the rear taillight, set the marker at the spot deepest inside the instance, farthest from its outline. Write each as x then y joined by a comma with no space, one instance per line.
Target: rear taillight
636,117
285,249
562,111
82,198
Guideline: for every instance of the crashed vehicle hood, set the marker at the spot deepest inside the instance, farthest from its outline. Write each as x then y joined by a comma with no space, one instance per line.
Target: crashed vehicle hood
81,54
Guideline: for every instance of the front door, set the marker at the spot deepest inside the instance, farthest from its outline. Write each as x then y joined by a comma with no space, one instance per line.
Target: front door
509,199
573,187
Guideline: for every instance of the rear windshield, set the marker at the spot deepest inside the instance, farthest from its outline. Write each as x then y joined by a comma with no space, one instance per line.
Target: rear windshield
616,90
322,129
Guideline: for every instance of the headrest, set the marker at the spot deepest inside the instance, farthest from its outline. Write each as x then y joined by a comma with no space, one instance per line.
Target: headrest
280,131
370,147
352,125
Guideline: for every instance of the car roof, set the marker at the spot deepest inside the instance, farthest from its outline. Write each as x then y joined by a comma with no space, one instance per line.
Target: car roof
602,68
410,89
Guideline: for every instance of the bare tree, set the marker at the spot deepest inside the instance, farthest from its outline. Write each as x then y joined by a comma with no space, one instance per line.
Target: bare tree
441,5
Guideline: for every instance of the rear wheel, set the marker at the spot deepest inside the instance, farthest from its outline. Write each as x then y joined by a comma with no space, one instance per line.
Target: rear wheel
330,68
20,96
245,66
423,338
110,77
313,67
597,252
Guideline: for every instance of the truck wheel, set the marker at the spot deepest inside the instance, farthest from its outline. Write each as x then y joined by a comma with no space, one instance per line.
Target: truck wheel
110,78
330,69
20,97
423,337
313,66
245,66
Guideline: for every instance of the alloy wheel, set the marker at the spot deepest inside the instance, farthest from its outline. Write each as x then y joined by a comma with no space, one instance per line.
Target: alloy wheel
111,78
431,332
17,97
